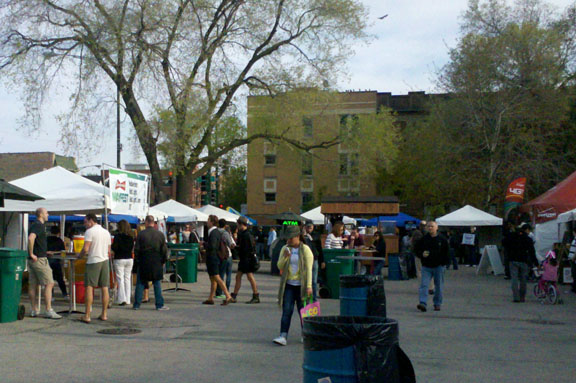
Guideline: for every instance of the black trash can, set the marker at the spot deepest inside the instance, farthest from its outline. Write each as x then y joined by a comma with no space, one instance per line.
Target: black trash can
354,350
362,295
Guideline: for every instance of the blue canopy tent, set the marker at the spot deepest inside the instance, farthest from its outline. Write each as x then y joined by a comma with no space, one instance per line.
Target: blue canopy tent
400,219
234,211
80,218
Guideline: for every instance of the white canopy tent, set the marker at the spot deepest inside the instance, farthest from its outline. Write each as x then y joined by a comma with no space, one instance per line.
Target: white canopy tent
157,214
568,216
178,212
317,217
469,216
63,192
220,213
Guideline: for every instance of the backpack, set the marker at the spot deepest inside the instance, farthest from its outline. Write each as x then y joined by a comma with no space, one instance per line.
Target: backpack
223,249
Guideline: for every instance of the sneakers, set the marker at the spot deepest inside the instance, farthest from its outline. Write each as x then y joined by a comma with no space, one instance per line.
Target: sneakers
221,296
163,308
436,308
51,314
33,314
421,307
281,340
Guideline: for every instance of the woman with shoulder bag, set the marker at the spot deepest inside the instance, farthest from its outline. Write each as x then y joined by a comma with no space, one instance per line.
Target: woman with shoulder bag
295,263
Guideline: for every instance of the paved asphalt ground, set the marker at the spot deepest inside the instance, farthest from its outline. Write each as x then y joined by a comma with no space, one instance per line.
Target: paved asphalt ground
479,336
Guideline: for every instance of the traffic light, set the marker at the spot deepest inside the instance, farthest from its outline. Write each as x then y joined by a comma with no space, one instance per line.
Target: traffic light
203,184
213,197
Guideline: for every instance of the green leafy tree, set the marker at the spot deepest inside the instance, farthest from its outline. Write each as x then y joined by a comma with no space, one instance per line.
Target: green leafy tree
194,59
234,187
510,81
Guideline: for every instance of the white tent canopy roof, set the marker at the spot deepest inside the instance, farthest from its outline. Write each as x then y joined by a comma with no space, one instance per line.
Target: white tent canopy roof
63,191
469,216
567,216
317,218
220,213
179,212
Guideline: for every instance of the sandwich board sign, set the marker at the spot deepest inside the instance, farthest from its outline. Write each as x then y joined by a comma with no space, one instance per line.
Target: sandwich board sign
490,261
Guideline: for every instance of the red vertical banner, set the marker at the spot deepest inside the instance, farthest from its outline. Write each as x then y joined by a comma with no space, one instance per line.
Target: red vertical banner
514,195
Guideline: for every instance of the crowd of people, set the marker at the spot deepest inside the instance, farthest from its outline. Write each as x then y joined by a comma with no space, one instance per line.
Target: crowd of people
300,259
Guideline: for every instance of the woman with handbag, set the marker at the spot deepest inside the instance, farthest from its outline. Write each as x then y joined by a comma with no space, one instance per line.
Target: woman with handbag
295,264
249,263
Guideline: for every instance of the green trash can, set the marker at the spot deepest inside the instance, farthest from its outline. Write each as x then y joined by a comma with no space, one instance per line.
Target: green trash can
347,265
188,246
333,278
187,267
12,264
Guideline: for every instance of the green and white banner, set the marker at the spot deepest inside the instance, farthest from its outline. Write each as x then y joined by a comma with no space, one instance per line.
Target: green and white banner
128,193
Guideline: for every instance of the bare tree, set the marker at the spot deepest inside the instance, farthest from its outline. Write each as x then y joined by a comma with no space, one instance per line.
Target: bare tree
191,59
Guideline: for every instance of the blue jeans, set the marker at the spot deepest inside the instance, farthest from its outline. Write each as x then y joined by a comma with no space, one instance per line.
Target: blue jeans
314,280
225,274
260,250
158,299
453,259
427,274
378,266
291,296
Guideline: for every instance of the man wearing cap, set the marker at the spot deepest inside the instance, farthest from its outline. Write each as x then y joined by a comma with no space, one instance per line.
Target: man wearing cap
248,261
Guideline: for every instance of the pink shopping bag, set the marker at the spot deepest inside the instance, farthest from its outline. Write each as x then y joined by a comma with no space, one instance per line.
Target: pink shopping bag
312,309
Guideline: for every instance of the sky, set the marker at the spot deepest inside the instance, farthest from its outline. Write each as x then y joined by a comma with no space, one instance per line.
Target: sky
411,44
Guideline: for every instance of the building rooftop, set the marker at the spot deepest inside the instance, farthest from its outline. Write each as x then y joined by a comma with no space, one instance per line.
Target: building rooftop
17,165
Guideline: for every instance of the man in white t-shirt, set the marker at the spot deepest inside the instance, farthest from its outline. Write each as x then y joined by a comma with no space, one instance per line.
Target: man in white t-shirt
97,245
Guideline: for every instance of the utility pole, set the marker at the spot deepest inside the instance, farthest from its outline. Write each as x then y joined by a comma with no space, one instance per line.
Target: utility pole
118,142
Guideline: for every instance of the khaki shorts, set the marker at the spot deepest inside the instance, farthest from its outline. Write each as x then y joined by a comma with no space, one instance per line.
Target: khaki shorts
97,274
40,272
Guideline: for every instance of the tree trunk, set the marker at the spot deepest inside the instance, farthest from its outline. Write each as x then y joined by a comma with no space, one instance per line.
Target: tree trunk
147,142
185,187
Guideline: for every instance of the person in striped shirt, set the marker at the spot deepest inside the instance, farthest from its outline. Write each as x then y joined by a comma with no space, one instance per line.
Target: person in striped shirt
334,239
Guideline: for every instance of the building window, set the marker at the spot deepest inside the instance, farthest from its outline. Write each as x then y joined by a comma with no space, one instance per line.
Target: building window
308,127
343,164
353,163
270,190
348,125
307,165
307,185
343,185
270,159
269,154
307,199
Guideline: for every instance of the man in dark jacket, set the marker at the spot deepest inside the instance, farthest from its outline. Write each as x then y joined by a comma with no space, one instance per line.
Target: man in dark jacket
433,250
521,253
213,261
150,253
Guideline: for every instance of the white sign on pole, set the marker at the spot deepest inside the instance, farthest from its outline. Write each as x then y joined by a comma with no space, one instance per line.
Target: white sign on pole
468,239
490,260
128,192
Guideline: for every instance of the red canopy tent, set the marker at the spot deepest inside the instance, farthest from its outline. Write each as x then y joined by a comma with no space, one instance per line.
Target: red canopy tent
559,199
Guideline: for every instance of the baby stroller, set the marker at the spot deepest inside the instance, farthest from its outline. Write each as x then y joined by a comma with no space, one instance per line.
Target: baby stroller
546,288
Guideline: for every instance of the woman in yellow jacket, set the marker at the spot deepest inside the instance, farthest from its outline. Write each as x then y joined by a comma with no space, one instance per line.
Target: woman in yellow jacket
295,264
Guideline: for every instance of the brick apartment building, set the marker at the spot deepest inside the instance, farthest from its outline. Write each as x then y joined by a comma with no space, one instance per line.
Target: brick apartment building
282,179
17,165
